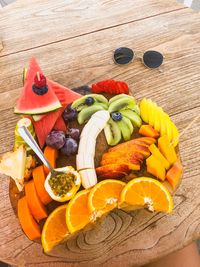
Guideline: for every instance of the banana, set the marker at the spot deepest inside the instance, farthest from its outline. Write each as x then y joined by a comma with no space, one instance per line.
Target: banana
88,178
87,145
84,161
86,150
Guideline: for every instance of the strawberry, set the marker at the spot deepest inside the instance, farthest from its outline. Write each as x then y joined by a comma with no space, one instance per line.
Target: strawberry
111,87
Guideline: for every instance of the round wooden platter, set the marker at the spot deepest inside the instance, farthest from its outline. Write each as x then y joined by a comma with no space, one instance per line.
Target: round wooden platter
99,238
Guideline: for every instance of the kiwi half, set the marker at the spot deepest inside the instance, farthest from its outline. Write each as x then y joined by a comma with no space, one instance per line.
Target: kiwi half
112,133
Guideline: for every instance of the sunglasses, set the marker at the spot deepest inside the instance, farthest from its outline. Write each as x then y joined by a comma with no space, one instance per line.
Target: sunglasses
151,59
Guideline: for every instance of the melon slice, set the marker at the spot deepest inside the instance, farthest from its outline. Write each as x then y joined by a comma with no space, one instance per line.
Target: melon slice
60,125
44,126
13,164
64,95
31,103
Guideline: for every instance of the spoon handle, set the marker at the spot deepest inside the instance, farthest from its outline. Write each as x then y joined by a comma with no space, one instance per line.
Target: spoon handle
28,138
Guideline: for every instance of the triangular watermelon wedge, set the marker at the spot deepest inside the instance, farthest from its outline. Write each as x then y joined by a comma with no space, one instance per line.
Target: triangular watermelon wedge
64,95
31,103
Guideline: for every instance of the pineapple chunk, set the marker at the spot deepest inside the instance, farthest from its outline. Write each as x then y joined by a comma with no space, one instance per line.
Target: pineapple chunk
13,164
156,153
155,167
167,149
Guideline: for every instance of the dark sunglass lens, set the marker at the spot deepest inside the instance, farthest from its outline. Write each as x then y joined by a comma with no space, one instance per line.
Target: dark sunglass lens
123,55
152,59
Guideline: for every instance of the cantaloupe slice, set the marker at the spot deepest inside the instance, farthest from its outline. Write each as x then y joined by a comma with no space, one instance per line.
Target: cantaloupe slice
174,174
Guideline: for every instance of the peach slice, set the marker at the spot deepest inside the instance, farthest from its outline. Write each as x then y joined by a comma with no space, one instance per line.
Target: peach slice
174,174
114,171
155,167
144,141
109,158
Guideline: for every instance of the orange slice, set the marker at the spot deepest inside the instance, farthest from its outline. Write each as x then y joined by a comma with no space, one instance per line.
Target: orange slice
104,196
55,229
147,192
77,212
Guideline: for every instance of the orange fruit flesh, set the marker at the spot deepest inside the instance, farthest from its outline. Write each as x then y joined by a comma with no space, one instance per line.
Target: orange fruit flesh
78,214
143,192
105,194
36,207
28,224
55,228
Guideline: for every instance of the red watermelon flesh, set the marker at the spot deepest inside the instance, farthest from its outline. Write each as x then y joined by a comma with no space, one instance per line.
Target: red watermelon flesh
60,125
44,126
31,103
65,96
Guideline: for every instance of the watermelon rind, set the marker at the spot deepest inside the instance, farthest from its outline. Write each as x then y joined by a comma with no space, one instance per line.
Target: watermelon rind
40,110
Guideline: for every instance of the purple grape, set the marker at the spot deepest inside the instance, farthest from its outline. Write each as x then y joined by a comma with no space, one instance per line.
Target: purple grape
73,133
56,139
69,113
70,147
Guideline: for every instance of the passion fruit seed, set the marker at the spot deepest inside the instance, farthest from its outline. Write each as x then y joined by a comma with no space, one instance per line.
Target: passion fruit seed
61,184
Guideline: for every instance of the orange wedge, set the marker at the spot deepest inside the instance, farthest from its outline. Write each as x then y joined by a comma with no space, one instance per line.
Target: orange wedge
147,192
77,212
104,196
55,229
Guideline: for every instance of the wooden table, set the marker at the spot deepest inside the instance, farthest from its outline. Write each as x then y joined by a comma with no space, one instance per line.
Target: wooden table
73,41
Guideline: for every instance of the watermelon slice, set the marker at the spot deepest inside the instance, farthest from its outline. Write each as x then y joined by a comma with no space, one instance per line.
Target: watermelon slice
31,103
60,125
44,126
64,95
54,120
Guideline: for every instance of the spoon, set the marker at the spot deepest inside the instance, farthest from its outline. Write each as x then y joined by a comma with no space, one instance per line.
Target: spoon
28,138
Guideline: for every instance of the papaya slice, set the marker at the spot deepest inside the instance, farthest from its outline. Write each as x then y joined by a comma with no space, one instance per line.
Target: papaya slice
36,207
28,224
39,177
51,154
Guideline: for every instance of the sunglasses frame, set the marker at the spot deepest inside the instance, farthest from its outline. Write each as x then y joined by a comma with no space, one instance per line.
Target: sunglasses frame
136,56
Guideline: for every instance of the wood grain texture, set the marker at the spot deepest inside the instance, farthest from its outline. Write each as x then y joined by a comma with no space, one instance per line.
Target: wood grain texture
48,21
121,239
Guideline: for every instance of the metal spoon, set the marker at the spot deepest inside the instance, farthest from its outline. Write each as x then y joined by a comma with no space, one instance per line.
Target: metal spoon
28,138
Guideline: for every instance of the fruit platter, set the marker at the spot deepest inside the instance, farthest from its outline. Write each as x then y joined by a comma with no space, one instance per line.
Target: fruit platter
110,152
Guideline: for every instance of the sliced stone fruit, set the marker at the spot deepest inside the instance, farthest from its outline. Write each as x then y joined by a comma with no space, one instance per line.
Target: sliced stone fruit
112,133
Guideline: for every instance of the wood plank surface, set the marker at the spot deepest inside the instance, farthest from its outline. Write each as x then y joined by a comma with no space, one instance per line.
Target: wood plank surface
178,39
121,239
49,21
